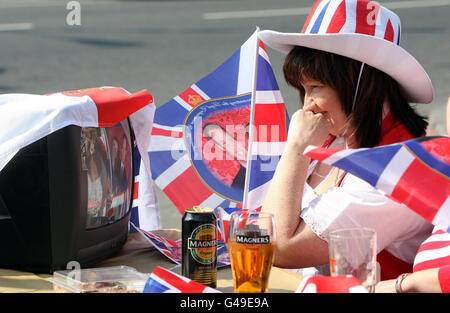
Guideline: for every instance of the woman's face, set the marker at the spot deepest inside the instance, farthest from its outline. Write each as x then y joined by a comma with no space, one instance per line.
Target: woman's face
321,98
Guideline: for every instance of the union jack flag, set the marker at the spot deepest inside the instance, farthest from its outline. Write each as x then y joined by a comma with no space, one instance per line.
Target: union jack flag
433,252
414,172
331,284
165,281
199,149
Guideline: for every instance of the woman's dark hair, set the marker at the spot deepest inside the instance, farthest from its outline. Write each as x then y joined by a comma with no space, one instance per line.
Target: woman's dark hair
341,73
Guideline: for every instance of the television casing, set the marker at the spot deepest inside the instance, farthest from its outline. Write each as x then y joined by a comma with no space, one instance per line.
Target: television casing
43,201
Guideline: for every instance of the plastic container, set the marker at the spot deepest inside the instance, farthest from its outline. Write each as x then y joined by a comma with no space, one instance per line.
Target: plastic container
116,279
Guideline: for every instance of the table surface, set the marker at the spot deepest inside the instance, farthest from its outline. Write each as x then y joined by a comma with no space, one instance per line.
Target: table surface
139,254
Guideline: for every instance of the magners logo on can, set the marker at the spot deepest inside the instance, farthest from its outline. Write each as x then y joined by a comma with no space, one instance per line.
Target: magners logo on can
202,243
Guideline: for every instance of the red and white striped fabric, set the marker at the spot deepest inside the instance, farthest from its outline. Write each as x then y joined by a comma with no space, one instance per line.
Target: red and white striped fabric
334,17
26,118
331,284
433,252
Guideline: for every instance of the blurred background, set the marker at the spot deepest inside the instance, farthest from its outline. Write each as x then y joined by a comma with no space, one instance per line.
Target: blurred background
165,46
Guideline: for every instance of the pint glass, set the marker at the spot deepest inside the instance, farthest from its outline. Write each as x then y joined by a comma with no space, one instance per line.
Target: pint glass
251,245
353,251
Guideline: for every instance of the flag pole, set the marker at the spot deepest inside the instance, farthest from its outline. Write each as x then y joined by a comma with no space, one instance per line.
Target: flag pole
251,128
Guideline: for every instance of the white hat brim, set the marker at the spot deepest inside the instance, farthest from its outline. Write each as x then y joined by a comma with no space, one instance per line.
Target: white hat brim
376,52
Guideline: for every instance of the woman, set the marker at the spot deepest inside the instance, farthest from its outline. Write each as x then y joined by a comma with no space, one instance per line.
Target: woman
354,82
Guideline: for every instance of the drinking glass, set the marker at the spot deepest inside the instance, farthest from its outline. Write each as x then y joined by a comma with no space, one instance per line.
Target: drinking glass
251,245
353,251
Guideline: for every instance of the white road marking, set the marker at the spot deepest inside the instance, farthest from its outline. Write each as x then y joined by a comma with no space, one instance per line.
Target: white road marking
305,11
16,26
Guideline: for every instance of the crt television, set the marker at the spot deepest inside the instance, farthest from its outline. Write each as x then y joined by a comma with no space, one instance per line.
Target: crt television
67,197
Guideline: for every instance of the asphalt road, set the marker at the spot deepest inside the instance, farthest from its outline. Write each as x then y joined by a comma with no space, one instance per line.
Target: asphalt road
165,46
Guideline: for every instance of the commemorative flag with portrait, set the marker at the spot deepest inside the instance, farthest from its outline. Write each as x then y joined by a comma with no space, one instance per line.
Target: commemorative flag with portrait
415,172
199,151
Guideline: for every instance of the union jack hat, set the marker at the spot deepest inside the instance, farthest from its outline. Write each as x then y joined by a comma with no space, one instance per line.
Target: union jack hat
364,31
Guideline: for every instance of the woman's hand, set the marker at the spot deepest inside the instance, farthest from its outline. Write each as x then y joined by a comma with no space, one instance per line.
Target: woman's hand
308,128
420,281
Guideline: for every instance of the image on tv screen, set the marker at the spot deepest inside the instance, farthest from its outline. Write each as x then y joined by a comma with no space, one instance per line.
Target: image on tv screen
107,161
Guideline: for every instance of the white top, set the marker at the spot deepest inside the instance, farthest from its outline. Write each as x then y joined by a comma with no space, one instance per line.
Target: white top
356,203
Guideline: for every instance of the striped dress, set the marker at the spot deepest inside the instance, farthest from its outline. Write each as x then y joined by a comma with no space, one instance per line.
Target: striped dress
435,253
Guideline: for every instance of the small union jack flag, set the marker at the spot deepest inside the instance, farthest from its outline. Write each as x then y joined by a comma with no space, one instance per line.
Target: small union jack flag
165,281
414,172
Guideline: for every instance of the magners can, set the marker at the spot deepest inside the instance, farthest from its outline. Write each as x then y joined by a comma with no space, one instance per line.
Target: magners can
199,245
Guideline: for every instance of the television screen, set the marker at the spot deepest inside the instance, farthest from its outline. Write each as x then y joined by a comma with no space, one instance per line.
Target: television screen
107,163
67,197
